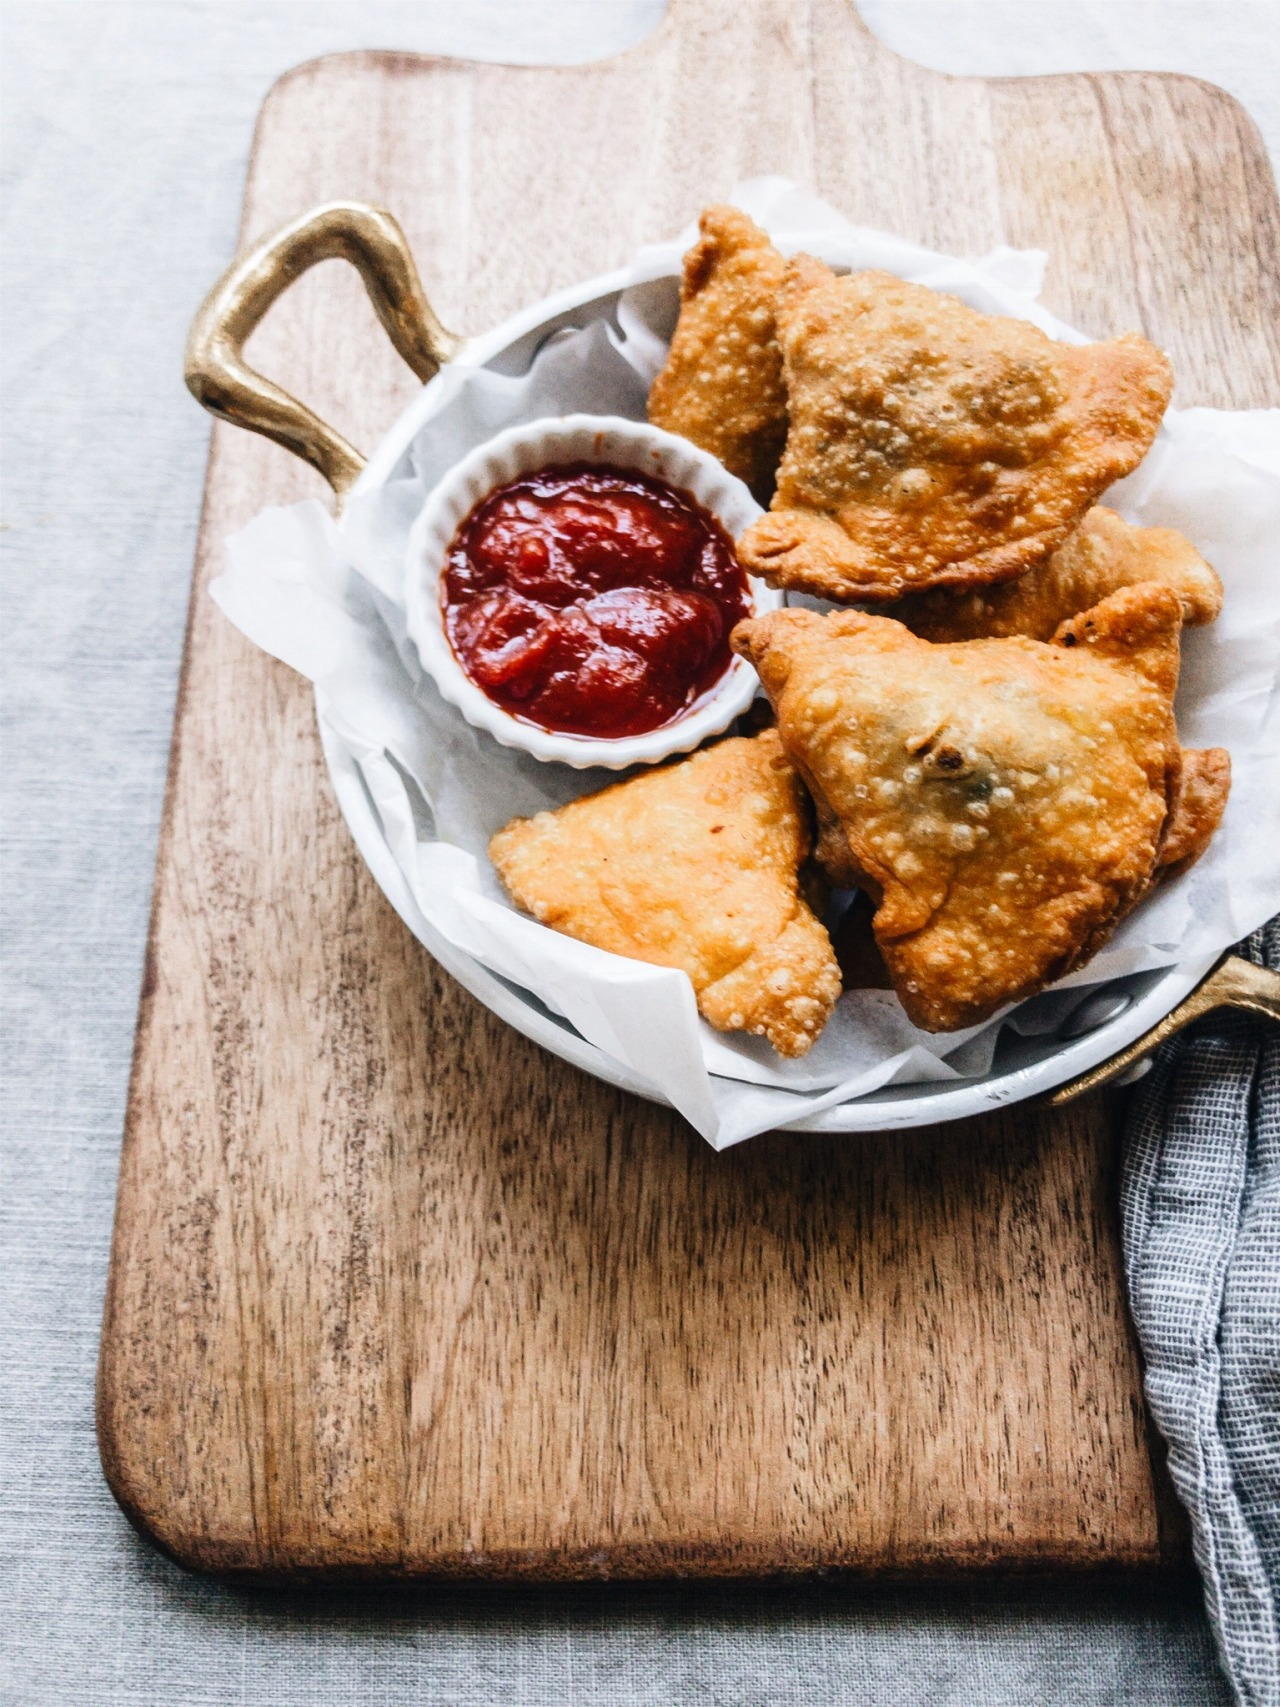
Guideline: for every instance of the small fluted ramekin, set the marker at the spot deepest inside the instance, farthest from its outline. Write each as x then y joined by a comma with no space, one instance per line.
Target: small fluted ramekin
603,439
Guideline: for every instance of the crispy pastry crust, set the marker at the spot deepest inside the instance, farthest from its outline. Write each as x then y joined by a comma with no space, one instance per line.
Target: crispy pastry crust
695,866
1199,801
1003,801
1104,554
722,384
931,445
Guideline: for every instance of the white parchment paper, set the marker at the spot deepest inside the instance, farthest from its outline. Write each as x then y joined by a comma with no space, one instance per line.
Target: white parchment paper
328,599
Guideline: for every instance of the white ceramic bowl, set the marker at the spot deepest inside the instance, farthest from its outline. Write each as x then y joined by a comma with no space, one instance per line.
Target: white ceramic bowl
606,439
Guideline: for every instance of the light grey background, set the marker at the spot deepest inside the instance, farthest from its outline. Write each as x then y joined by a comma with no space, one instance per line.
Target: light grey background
126,129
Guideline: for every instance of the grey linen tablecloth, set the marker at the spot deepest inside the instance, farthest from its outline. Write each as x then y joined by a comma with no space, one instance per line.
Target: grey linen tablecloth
1200,1200
126,129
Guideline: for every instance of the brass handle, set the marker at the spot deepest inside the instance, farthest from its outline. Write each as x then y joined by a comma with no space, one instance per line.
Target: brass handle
1234,983
217,373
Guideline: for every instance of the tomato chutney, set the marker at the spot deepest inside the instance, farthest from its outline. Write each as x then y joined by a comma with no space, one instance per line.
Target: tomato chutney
592,600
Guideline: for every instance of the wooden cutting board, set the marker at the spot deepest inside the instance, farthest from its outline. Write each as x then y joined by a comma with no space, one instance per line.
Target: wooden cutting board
392,1291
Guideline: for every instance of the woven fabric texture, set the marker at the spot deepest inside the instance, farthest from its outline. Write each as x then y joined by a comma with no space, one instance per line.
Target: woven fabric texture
1200,1201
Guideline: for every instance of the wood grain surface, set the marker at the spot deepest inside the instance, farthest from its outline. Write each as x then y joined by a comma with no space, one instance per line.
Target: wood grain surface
394,1292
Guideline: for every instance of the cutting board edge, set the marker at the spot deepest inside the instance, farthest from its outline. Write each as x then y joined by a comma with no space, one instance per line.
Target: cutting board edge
237,1562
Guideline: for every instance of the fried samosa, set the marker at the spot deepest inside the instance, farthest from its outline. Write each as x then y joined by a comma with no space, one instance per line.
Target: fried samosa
722,383
931,445
1003,802
1199,801
695,866
1104,554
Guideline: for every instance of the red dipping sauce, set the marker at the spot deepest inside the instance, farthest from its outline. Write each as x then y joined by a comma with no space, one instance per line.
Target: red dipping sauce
592,600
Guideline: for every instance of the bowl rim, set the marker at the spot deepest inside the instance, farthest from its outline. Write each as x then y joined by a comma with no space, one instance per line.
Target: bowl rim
522,449
875,1111
885,1110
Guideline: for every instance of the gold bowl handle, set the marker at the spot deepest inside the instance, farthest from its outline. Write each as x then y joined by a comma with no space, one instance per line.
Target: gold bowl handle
220,378
1234,983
